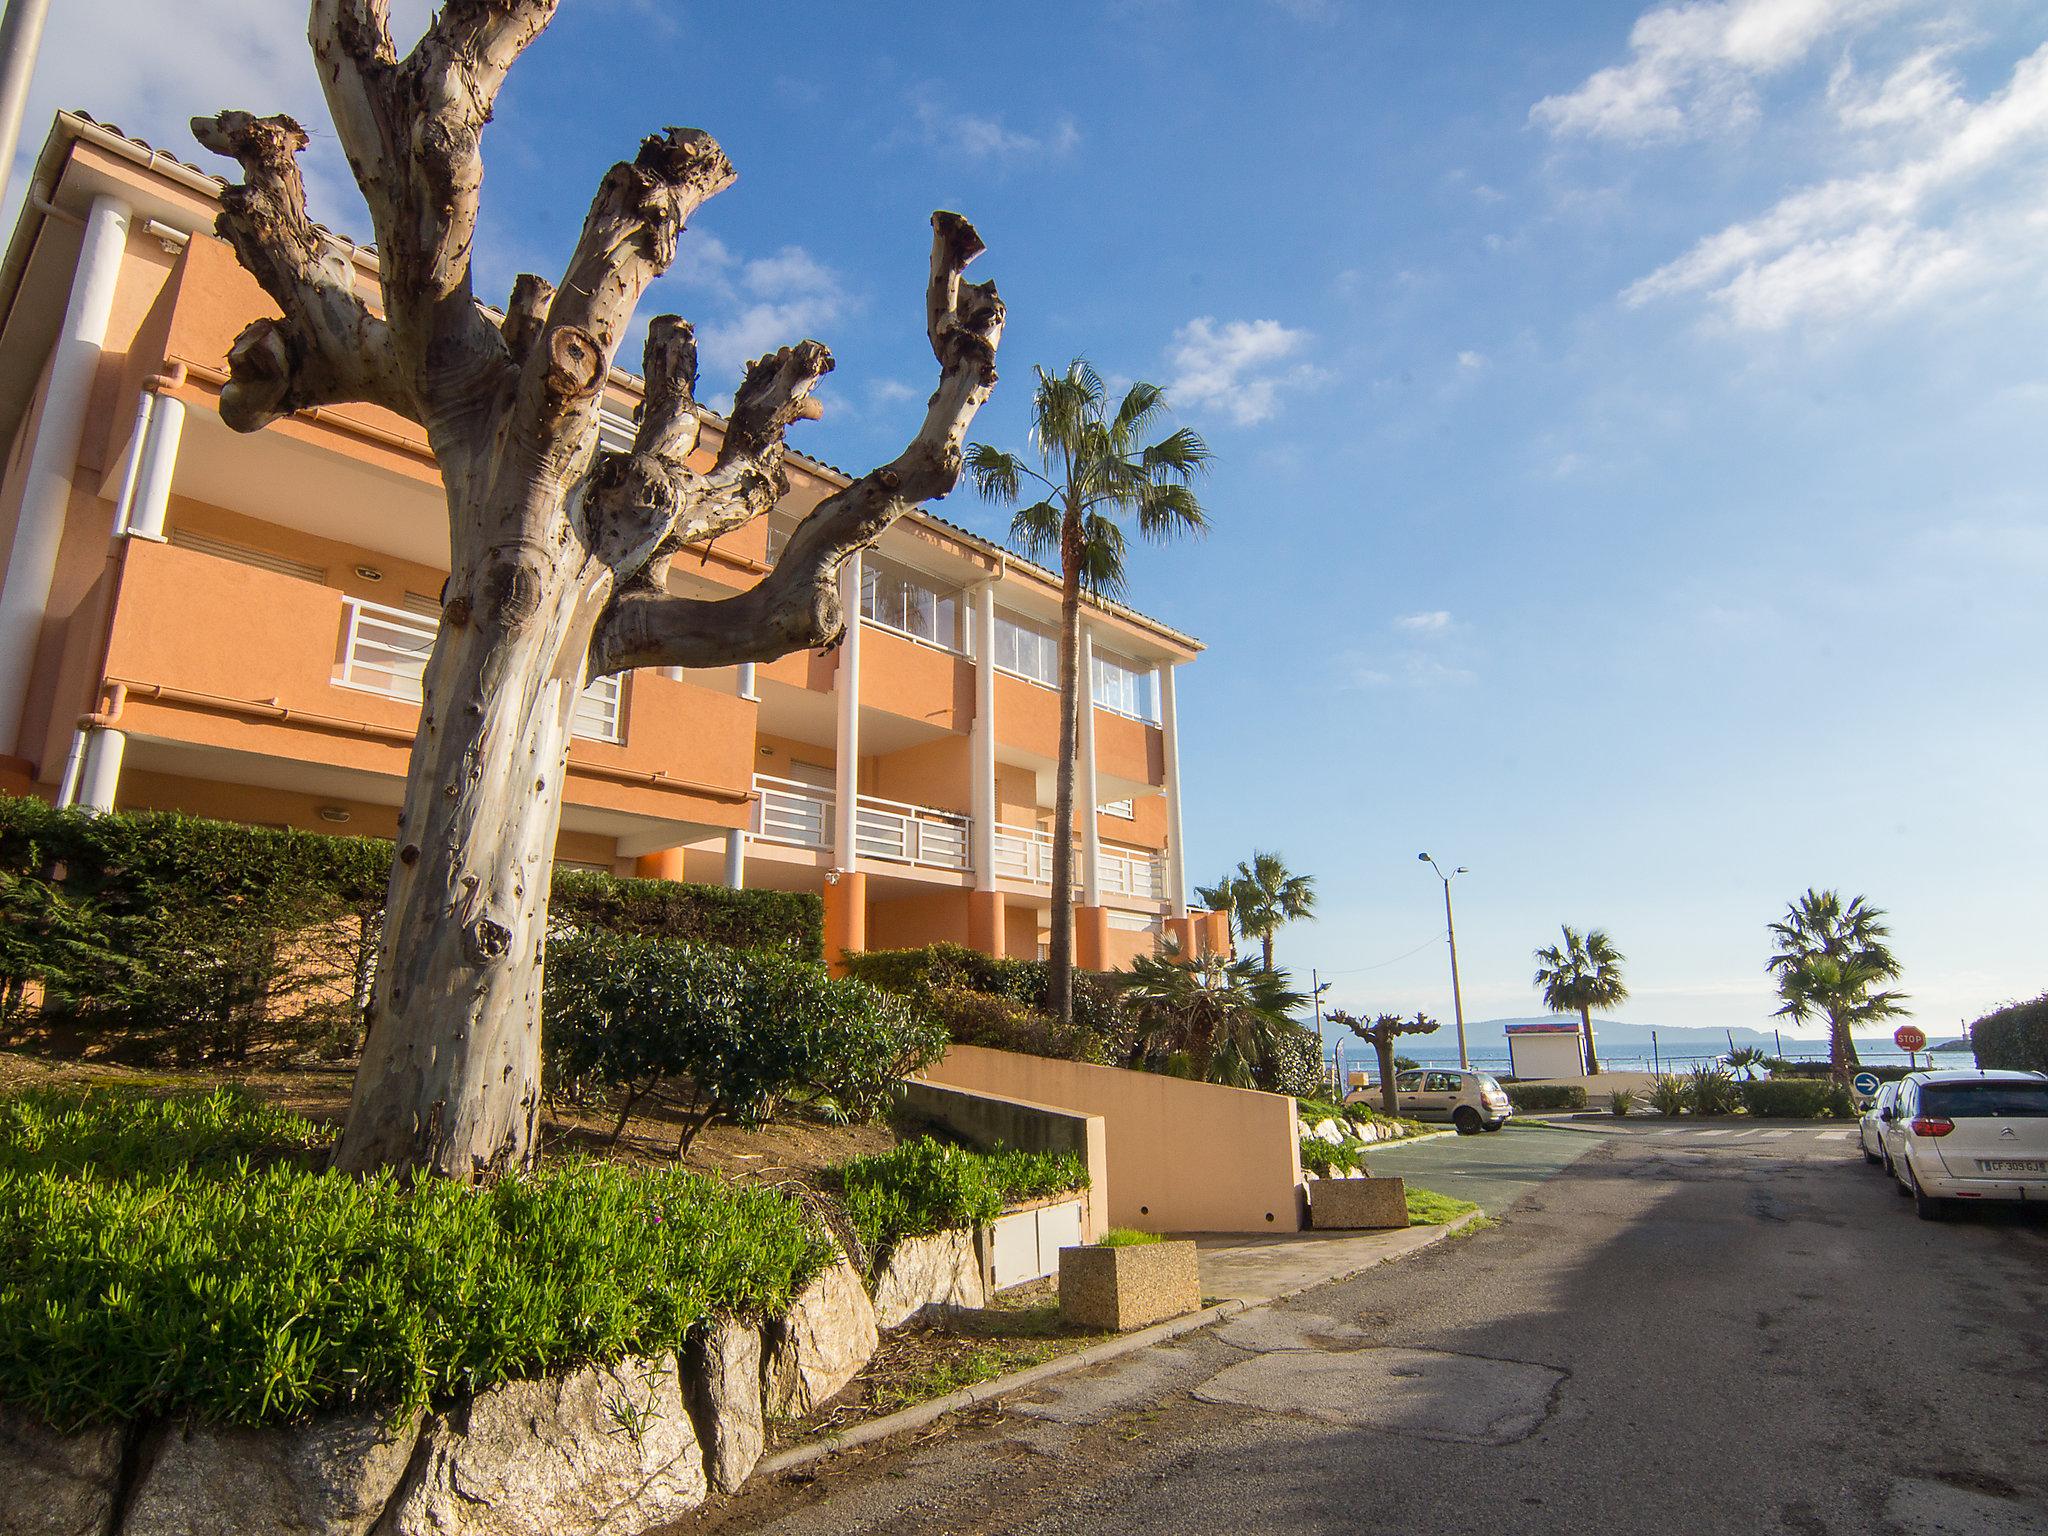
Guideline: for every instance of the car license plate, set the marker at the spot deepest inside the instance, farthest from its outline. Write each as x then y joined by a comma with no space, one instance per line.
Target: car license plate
2012,1165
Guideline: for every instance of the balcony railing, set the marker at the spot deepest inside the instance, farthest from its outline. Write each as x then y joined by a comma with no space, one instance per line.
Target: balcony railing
1025,853
802,816
385,650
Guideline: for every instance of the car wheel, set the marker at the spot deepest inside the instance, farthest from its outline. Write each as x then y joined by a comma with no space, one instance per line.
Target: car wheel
1898,1179
1495,1125
1467,1121
1868,1155
1927,1208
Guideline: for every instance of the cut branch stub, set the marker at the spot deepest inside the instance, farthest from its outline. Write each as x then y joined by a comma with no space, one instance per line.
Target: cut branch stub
525,314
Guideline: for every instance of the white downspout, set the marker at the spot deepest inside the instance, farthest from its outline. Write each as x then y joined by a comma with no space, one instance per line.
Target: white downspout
1169,735
846,765
984,743
158,461
54,459
1090,803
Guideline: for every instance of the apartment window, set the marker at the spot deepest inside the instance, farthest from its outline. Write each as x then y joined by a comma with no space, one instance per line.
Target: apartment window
1125,688
906,601
615,430
1027,650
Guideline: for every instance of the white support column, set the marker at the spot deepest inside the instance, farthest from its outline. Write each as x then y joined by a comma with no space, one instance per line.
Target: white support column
846,776
749,689
1088,801
100,779
736,859
983,800
1169,733
153,469
54,459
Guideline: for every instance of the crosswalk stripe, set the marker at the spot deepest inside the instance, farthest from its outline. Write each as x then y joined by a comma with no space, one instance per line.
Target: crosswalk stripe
1834,1135
1772,1135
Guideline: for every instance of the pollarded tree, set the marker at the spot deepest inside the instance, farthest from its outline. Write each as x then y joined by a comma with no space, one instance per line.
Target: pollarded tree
559,551
1579,975
1381,1034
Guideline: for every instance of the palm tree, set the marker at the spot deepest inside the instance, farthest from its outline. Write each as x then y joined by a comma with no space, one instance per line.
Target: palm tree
1579,975
1220,897
1265,897
1850,936
1208,1017
1096,469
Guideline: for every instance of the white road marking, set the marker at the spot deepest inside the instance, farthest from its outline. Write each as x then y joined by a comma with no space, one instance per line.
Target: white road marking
1832,1135
1723,1132
1772,1135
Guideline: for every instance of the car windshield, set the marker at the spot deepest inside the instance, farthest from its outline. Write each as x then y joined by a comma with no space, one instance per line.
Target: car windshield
1488,1085
1981,1101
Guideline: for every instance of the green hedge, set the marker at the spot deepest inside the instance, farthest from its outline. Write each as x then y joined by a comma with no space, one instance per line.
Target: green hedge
1541,1098
1332,1159
926,1186
1795,1098
1821,1071
938,974
2015,1038
174,938
727,1034
179,1257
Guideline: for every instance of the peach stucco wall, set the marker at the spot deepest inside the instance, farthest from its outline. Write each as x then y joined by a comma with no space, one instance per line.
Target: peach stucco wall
1183,1156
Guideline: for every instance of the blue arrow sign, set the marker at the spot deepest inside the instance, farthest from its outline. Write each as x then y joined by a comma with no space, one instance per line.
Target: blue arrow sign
1865,1084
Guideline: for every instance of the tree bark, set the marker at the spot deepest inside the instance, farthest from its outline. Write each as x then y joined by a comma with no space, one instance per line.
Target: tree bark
1390,1098
1060,951
1266,949
1842,1049
1586,1030
559,551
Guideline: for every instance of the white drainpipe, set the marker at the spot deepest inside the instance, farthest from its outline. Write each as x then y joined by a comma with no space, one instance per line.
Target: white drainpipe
54,459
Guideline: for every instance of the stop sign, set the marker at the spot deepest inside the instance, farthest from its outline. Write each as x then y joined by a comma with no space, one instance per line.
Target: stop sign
1910,1038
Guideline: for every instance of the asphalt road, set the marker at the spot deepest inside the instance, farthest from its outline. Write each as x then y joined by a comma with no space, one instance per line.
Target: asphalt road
1676,1332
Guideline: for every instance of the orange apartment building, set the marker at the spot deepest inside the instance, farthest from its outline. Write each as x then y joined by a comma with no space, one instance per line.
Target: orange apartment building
236,626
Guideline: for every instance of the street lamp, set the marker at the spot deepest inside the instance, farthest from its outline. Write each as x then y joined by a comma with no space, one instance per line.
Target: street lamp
1317,987
1451,928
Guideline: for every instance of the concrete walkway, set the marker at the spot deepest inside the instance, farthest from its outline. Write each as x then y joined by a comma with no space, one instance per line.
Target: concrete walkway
1258,1267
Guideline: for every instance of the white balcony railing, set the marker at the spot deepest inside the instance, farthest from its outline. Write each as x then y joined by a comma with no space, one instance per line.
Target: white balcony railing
385,650
802,816
1025,853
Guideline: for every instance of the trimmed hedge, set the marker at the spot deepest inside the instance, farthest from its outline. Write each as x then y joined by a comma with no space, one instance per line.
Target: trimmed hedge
1796,1098
1821,1071
1541,1098
926,1186
731,1034
2014,1038
936,975
177,938
165,1258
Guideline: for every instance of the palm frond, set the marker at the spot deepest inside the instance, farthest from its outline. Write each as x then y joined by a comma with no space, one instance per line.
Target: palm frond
1035,530
998,476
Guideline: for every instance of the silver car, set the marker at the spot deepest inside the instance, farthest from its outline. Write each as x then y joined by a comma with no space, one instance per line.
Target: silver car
1870,1129
1472,1101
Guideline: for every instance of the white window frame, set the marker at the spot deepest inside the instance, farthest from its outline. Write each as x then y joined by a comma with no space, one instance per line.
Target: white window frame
948,605
1133,694
1049,642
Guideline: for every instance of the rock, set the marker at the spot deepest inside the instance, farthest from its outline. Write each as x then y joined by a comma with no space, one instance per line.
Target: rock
722,1382
601,1451
819,1345
332,1477
54,1484
942,1270
1329,1130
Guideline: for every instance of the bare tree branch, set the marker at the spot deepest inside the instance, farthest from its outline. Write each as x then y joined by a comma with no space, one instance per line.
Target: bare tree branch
525,314
796,606
329,347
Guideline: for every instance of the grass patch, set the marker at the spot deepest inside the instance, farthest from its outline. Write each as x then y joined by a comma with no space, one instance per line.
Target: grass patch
1427,1208
1126,1237
168,1257
972,1366
926,1186
1475,1226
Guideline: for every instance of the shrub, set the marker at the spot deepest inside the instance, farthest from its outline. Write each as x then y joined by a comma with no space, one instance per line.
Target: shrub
1668,1095
926,1186
939,974
1797,1099
1296,1063
1127,1237
243,1288
990,1019
175,938
1821,1070
2015,1038
1621,1102
1540,1098
1709,1091
733,1033
1332,1159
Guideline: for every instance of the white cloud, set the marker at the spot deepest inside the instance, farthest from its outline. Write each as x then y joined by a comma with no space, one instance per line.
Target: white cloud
1692,67
1955,196
1471,361
1240,366
989,138
1409,669
1434,622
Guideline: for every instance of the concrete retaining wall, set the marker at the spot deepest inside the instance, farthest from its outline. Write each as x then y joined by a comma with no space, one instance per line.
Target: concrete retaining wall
984,1119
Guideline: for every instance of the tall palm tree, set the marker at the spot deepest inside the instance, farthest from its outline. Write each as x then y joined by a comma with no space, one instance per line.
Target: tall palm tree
1220,897
1208,1016
1266,896
1096,469
1851,937
1579,975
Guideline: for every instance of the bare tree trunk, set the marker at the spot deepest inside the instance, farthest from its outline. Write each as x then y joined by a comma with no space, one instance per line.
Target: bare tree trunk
1586,1031
1390,1099
1060,952
1843,1059
1266,949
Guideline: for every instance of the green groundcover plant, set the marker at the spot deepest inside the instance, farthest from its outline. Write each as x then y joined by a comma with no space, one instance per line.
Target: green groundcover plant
186,1256
925,1186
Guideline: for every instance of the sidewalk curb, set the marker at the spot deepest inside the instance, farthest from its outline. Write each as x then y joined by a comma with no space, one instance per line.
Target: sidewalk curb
1095,1354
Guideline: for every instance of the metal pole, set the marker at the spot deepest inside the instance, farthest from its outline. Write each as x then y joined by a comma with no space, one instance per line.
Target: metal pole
1457,998
21,34
1656,1066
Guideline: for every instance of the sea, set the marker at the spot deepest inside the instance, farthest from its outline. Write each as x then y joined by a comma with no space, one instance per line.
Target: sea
1491,1055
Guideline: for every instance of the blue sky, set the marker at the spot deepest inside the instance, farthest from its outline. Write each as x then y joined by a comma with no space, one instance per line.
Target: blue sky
1629,426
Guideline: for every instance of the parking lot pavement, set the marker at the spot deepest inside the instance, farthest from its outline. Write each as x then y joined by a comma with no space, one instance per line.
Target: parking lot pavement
1493,1170
1783,1138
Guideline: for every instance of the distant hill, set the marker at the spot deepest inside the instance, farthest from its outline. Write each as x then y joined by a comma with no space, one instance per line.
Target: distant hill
1684,1039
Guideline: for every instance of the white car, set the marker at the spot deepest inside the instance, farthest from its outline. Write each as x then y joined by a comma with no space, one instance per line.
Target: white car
1871,1128
1472,1101
1956,1136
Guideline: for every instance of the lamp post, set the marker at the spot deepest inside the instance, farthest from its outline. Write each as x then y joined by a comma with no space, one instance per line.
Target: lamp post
1451,929
1316,988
